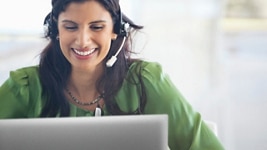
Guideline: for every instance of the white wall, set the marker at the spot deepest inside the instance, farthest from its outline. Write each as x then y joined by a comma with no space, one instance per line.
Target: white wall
23,16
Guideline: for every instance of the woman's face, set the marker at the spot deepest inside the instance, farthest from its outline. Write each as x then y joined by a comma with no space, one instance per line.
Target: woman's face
85,34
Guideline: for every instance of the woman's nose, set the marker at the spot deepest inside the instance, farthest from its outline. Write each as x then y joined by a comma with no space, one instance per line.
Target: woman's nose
83,38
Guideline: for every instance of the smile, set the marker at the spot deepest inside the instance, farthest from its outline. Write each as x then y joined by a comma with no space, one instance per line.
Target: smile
84,53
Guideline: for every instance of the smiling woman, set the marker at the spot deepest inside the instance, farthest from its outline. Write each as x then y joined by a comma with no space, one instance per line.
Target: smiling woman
73,77
84,38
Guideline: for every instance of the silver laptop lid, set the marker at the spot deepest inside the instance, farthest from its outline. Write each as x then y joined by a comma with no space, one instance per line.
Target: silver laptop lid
138,132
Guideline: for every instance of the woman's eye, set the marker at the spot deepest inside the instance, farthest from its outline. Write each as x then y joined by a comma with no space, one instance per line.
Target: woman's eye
96,28
70,27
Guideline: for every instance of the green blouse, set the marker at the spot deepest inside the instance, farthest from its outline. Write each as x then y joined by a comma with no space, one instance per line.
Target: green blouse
20,97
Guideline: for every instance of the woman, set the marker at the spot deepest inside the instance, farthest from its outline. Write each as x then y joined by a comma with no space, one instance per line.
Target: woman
87,67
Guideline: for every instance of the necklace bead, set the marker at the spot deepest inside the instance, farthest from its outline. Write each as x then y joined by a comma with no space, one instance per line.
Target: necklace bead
76,100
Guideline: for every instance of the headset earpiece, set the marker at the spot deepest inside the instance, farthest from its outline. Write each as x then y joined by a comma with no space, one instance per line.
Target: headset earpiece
121,27
125,29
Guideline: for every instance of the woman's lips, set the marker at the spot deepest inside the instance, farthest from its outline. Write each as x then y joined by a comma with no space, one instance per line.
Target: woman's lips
84,53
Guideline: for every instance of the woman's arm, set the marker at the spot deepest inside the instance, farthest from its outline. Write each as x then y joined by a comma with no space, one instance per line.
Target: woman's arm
187,130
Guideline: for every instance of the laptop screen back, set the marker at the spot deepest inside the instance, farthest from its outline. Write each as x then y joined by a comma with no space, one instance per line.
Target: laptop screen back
140,132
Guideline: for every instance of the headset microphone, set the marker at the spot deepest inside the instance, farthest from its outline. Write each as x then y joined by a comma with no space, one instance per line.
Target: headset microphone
113,59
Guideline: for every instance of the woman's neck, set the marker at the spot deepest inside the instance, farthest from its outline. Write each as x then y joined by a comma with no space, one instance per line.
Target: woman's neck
83,82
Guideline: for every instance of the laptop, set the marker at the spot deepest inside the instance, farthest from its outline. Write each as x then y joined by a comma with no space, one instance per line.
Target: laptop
135,132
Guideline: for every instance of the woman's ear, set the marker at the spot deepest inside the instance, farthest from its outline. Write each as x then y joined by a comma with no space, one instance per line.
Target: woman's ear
114,36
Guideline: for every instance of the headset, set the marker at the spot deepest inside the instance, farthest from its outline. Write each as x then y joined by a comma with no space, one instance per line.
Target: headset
121,28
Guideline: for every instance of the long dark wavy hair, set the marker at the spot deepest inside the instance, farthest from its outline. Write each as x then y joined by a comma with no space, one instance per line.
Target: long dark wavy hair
54,69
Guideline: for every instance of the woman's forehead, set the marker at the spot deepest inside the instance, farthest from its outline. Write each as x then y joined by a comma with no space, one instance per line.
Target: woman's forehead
91,10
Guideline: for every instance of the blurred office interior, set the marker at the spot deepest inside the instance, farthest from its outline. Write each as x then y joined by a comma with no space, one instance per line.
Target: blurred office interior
215,51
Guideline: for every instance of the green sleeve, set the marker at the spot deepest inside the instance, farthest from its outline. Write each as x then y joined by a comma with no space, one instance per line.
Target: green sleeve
187,131
20,94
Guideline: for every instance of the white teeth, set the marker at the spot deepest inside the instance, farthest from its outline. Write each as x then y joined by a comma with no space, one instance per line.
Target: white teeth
84,53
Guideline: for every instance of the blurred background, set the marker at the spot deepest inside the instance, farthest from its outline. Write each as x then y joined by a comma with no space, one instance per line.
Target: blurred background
215,51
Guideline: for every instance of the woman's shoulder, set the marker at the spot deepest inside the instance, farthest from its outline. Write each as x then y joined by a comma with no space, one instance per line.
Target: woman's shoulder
145,64
150,70
23,76
22,91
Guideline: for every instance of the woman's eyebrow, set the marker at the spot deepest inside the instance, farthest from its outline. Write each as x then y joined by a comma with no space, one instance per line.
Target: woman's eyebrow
93,22
98,21
68,21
